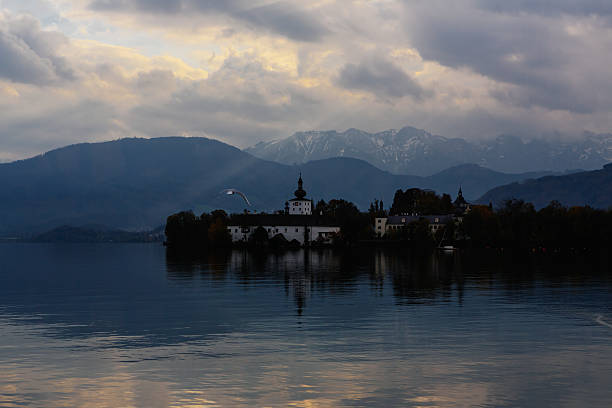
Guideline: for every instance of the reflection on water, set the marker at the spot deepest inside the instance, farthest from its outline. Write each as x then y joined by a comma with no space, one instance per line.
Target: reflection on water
132,325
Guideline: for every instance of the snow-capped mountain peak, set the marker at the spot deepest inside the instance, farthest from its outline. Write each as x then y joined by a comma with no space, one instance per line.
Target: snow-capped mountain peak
415,151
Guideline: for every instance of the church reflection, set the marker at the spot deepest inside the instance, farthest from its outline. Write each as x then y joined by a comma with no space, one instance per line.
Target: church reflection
412,277
128,292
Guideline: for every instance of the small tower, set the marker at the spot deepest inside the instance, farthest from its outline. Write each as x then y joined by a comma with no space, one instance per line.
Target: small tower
300,205
300,193
460,203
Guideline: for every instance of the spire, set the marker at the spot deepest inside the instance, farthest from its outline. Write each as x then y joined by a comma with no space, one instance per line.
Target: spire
460,201
300,193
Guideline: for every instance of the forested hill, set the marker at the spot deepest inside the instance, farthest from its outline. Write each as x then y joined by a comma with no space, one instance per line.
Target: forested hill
128,183
134,184
593,188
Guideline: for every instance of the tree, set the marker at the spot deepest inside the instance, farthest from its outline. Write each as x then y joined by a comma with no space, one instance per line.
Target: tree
481,226
182,228
218,235
423,202
517,221
260,236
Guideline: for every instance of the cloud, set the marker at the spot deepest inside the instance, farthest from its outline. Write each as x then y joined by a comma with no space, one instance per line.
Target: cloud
553,63
240,102
29,54
379,77
549,7
249,71
280,17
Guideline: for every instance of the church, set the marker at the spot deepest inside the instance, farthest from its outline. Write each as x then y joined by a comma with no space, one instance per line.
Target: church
297,224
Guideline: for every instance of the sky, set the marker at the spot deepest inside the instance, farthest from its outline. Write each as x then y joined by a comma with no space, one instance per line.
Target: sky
244,71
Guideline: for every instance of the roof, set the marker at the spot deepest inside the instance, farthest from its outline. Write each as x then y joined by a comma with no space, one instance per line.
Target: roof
407,219
300,199
280,220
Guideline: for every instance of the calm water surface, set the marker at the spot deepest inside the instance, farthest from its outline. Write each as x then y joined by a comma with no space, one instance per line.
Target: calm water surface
130,325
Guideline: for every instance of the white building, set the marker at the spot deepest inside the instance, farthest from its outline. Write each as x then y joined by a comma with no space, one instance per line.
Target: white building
297,224
392,223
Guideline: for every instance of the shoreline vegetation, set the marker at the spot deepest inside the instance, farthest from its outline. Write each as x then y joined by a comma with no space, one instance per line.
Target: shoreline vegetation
515,224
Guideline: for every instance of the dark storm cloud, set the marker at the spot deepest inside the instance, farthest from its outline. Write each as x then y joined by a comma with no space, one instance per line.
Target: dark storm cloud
29,54
547,65
380,78
550,7
280,17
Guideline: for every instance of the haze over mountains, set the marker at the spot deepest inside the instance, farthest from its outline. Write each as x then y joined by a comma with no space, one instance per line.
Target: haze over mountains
415,151
135,184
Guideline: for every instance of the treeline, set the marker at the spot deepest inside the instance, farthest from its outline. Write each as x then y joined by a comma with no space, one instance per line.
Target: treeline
354,225
186,230
422,202
517,224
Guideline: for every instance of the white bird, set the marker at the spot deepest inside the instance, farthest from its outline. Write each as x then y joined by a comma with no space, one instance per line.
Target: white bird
232,191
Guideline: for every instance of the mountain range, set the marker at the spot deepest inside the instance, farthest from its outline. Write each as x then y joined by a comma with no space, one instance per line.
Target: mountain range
593,188
415,151
134,184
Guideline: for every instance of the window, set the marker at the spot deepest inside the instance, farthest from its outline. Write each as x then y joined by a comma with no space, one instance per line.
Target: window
297,230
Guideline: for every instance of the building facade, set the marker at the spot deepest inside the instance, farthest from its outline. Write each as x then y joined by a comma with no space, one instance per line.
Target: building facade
297,224
384,225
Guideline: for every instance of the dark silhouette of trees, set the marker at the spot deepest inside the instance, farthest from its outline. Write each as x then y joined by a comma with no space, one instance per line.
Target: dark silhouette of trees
218,234
185,229
518,225
377,209
481,226
515,224
260,236
354,225
182,228
422,202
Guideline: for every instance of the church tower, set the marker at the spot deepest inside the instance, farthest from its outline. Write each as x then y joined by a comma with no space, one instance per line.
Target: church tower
300,205
460,203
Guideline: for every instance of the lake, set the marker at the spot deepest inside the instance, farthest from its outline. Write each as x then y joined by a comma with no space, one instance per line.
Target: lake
121,325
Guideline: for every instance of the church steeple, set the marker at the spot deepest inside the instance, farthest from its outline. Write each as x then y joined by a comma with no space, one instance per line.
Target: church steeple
300,193
460,202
